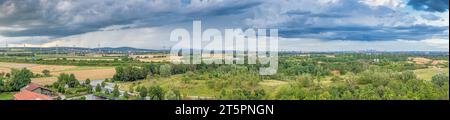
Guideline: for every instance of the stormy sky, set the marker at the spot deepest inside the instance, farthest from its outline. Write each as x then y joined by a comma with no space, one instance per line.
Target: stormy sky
306,25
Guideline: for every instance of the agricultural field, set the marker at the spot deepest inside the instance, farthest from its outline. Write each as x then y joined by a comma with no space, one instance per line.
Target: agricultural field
81,72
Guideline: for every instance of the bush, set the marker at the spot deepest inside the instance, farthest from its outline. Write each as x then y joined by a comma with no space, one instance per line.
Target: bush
98,88
126,95
1,84
46,73
143,92
407,75
87,81
336,79
440,80
173,95
369,77
305,81
165,70
156,92
116,92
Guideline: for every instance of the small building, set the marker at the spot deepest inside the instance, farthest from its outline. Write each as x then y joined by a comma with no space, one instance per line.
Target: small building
34,92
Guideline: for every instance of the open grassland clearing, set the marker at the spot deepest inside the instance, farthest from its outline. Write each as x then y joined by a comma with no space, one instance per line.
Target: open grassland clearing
196,89
6,95
427,74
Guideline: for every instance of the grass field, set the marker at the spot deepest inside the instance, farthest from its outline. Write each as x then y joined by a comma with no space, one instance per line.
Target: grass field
427,74
81,72
6,96
196,88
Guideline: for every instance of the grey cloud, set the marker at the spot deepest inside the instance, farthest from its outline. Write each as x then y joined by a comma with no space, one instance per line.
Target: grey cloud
68,17
430,17
366,33
349,20
429,5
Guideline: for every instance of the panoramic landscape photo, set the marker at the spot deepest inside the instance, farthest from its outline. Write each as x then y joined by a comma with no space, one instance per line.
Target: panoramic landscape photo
224,50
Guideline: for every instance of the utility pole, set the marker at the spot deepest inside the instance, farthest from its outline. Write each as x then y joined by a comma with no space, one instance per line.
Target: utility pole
6,44
40,48
98,47
57,50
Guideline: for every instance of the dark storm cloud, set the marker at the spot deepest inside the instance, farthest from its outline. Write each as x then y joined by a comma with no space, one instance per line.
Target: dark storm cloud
346,20
325,20
365,33
430,5
67,17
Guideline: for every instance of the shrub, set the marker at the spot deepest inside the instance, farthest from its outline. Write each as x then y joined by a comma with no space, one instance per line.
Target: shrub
440,79
46,73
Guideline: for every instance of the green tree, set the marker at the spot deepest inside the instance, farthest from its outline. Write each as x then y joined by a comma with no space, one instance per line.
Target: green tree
61,89
87,81
131,88
126,95
336,79
259,94
98,88
73,82
378,78
107,80
347,95
177,94
325,96
137,89
46,73
165,70
106,92
1,84
130,73
156,92
407,75
66,79
88,88
20,78
103,84
171,95
186,79
116,92
305,80
440,79
143,92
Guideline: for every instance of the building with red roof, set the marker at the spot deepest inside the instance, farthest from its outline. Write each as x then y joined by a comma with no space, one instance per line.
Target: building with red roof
34,92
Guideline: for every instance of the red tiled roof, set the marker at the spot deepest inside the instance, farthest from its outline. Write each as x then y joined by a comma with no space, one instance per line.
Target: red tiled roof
31,87
28,95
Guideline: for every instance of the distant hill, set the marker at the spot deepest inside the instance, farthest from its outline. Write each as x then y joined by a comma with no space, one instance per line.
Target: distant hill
123,49
78,49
